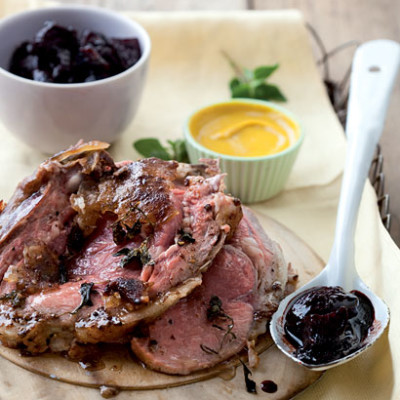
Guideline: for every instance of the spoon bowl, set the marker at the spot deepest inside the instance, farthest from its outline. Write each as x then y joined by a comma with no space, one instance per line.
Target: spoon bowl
278,321
374,71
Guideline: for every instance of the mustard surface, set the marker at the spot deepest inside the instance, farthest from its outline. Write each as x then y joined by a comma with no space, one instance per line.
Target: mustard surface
243,129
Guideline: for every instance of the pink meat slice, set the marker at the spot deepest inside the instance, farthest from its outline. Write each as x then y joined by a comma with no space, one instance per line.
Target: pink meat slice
183,339
249,276
97,261
270,265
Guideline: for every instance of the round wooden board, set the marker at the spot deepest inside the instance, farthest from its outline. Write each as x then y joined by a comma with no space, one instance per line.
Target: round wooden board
122,371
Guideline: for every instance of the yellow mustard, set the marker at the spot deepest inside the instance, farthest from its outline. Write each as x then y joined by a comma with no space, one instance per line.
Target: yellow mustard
243,129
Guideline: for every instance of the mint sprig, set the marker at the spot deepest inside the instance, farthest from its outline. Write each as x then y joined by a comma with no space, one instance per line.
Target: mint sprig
152,147
253,83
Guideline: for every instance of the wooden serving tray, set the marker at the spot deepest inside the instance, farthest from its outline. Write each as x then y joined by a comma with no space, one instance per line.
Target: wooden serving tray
121,370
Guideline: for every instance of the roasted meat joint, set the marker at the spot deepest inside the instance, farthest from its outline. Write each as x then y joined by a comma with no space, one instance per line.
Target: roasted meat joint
150,253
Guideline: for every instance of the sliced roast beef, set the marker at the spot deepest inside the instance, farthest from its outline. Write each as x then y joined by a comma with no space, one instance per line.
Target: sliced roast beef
270,265
239,293
88,248
36,223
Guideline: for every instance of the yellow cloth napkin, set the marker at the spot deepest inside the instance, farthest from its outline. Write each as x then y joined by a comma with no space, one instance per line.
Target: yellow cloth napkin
187,71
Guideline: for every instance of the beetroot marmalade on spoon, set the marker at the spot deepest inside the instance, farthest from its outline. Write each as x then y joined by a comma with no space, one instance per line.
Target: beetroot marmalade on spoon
326,323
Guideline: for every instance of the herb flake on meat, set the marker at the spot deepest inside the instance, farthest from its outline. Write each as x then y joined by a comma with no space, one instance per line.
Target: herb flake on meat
215,311
123,252
184,238
146,217
208,350
140,254
122,232
119,233
84,290
134,229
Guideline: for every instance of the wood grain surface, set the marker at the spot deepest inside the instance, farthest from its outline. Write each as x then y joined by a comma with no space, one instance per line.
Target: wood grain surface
119,369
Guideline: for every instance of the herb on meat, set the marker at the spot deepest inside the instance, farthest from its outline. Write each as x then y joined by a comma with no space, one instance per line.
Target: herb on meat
123,252
208,207
252,83
133,230
250,384
140,254
137,208
208,350
185,238
218,327
119,232
84,290
152,147
215,311
124,232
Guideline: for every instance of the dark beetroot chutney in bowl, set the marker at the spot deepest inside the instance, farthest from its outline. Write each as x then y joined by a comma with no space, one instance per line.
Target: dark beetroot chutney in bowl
325,324
61,54
78,76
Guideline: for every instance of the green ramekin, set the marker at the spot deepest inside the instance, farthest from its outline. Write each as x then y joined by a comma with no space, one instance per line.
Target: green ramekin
251,179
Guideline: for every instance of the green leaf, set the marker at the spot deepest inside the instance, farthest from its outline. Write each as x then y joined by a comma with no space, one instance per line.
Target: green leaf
248,73
265,91
265,71
241,90
84,291
179,150
151,147
252,83
234,83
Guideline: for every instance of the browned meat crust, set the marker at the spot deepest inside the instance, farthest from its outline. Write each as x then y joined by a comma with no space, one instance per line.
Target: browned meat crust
89,248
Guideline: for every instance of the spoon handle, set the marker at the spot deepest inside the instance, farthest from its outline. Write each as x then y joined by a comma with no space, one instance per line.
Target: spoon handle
374,71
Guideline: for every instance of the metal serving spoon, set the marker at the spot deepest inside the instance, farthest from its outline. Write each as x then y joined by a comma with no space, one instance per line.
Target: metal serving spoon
374,71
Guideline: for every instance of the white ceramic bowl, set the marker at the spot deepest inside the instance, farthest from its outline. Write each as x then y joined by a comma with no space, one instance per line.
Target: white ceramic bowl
252,179
52,116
